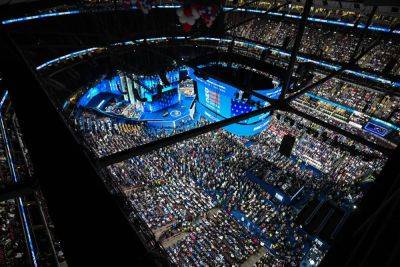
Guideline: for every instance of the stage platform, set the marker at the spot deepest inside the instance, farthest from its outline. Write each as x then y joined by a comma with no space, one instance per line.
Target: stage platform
171,117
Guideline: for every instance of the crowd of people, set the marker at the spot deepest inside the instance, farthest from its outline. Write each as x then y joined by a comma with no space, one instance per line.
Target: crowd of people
314,152
214,239
12,246
205,198
19,215
268,260
326,43
104,136
205,173
123,108
360,98
350,121
325,12
198,196
352,164
342,180
200,192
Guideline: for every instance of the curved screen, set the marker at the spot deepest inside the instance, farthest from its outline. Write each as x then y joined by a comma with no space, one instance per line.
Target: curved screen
220,101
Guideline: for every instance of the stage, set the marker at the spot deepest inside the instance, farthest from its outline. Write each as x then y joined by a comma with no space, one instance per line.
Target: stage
171,117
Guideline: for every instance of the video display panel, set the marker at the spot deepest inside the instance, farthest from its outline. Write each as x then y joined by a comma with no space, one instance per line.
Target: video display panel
216,96
219,101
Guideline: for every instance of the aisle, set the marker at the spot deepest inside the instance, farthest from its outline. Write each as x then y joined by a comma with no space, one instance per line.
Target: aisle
251,261
169,242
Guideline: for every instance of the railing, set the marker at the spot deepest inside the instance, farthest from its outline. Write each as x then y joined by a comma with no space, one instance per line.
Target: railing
14,176
100,7
244,43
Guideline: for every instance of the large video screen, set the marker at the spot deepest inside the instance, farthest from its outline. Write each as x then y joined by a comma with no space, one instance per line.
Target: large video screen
220,101
216,96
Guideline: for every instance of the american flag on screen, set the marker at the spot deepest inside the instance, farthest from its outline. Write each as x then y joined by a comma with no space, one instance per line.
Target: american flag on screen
212,98
239,107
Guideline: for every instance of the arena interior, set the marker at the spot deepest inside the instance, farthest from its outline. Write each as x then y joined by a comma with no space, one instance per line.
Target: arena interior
199,133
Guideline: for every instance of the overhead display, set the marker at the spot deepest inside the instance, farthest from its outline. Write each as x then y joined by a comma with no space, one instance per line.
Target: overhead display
219,101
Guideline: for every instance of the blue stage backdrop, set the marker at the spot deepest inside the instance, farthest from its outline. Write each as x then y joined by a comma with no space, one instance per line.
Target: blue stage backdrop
162,101
168,95
104,86
219,101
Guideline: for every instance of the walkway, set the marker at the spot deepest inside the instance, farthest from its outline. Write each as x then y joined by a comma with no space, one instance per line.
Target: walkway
251,261
158,232
169,242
